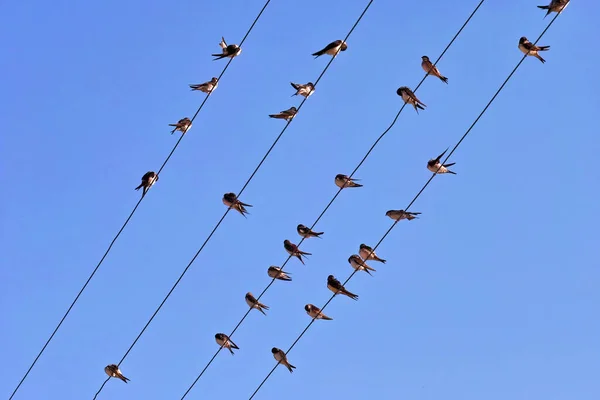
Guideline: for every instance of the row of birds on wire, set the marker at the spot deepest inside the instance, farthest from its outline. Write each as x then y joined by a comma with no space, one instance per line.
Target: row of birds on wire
365,253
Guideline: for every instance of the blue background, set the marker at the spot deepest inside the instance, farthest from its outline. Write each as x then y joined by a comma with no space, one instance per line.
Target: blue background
492,293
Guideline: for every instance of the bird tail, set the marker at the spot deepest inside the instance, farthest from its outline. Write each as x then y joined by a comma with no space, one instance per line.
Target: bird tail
318,53
318,234
300,258
544,7
218,56
543,48
326,318
262,311
419,106
274,116
449,165
444,79
139,187
351,295
540,58
290,367
195,87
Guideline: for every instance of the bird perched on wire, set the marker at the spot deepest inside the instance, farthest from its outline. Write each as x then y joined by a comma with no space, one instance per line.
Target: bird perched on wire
277,273
332,48
254,303
530,49
183,125
367,253
224,341
294,251
286,114
306,232
431,69
343,181
410,98
436,166
358,264
231,50
337,288
315,312
398,215
556,6
206,87
148,180
231,200
282,358
304,90
113,371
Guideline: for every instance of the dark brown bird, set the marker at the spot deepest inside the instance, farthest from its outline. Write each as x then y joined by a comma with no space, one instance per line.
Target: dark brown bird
306,232
294,251
332,48
148,180
231,200
337,288
113,371
183,125
530,49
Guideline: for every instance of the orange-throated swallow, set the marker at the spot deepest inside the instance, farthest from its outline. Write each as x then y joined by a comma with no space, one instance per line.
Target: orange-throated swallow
183,125
253,303
294,251
530,49
337,288
332,48
148,180
224,341
315,312
410,98
306,232
231,200
286,114
304,90
230,51
358,264
431,69
367,253
436,166
282,358
113,371
343,181
398,215
206,87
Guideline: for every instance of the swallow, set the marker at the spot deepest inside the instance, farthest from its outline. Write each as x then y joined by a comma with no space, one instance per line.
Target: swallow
398,215
555,5
148,180
224,341
358,264
332,48
182,125
293,250
231,200
303,90
230,51
282,358
276,273
409,98
286,114
315,312
431,69
367,253
206,87
435,165
253,303
530,49
113,371
344,181
336,287
306,232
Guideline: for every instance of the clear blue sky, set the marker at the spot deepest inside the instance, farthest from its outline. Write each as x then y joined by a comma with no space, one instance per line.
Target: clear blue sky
492,293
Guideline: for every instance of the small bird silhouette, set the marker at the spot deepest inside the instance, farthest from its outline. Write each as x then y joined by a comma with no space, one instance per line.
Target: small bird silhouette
230,51
206,87
315,312
556,6
398,215
286,114
358,264
306,232
183,125
277,273
224,341
282,358
304,90
343,181
148,180
367,253
530,49
436,166
432,69
337,288
231,200
294,251
332,48
254,303
410,98
113,371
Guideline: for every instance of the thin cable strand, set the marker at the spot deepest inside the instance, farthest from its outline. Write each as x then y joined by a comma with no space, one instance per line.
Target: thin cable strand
229,208
130,216
411,203
333,199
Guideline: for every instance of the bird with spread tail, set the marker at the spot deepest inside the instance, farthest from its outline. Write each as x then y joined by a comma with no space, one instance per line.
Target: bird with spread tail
231,50
436,166
183,125
303,90
409,97
343,181
286,114
282,358
294,251
254,303
530,49
306,232
224,341
148,180
556,6
231,200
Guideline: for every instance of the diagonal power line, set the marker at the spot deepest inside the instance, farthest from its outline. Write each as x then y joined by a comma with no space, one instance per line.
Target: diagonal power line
413,200
333,199
229,208
128,219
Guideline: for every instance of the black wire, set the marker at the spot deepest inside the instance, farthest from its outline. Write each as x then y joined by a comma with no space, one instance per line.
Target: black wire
128,218
412,201
334,198
229,208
